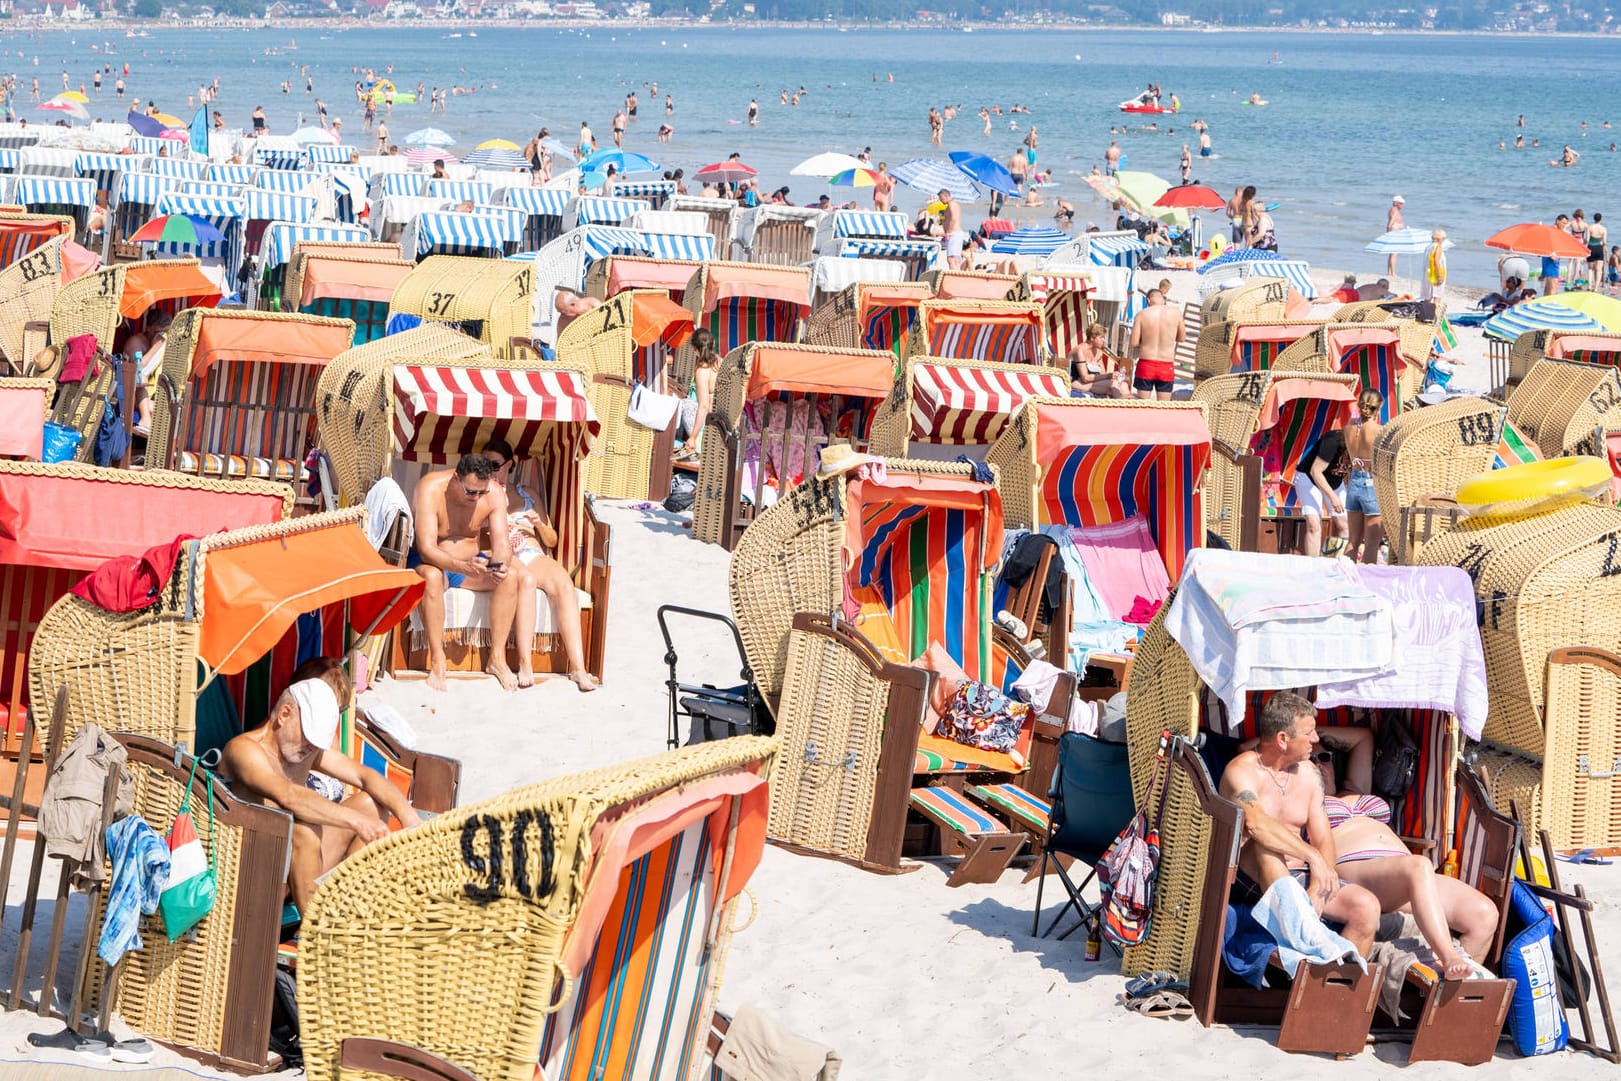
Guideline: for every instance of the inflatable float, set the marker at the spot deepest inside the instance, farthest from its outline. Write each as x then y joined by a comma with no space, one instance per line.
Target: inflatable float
1521,491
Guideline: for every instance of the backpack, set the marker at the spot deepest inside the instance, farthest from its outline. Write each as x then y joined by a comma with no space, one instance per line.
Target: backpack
1129,867
284,1038
1395,762
112,437
683,493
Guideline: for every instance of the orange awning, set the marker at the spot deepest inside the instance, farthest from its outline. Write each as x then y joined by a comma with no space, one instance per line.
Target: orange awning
1079,424
273,339
1568,345
252,593
636,272
863,374
788,284
351,279
892,295
147,283
657,318
1283,391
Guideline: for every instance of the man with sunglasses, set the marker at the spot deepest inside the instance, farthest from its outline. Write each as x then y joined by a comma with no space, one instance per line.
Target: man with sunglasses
453,507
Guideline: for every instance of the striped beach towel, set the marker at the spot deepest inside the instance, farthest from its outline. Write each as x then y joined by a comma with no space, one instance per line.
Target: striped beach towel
1513,448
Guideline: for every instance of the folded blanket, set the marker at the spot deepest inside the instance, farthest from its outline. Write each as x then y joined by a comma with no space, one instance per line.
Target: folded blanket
1439,660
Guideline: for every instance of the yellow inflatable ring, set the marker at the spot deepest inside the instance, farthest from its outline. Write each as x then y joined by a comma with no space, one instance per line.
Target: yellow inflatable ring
1535,487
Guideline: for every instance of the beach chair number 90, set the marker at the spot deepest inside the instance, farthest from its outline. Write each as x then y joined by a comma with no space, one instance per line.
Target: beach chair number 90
501,863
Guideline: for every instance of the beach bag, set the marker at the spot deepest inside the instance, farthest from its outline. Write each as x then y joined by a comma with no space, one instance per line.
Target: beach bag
1129,867
1536,1016
683,492
188,894
979,715
651,409
61,443
284,1036
1395,762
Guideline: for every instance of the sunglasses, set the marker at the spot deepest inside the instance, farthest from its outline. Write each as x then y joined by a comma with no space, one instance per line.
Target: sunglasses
1322,757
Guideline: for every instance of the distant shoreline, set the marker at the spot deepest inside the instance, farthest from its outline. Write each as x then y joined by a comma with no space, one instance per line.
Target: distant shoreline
121,24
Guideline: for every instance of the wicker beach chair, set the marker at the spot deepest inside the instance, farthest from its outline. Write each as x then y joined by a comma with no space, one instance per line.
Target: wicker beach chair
614,274
1263,424
623,344
236,395
387,409
1568,407
1245,345
103,302
339,287
22,232
721,214
1065,312
1095,462
944,407
1006,331
1583,348
1255,299
1370,351
1420,340
867,315
742,303
970,284
776,234
1548,583
28,288
1421,457
775,408
488,299
548,885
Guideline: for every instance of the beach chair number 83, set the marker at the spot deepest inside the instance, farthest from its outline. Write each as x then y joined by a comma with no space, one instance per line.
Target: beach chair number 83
501,863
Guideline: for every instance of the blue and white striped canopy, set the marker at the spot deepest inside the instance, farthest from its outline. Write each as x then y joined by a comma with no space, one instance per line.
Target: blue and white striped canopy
52,190
538,202
279,157
387,184
462,232
1116,250
280,236
291,181
143,189
1239,255
928,251
259,205
458,190
325,168
1297,272
151,144
178,167
696,247
869,223
211,187
9,156
233,173
606,210
328,152
1510,323
104,169
1035,240
601,240
644,189
931,175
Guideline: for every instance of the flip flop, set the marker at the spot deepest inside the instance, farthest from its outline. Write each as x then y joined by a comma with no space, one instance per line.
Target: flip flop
1586,856
1162,1004
68,1040
1149,983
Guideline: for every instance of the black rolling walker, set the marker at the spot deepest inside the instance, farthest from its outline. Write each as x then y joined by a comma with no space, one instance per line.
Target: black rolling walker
706,711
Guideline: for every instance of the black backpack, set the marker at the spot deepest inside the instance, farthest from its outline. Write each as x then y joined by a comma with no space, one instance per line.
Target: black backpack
1395,762
284,1039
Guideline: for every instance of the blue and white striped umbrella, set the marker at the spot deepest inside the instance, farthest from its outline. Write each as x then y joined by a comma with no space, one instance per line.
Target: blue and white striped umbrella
1510,323
1238,255
1408,241
1036,240
931,175
430,137
497,157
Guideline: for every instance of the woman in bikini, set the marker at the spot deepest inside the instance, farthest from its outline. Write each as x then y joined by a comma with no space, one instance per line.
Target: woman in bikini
1366,531
1093,373
695,407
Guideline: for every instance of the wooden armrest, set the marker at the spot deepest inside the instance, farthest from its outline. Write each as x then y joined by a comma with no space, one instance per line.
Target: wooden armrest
1418,844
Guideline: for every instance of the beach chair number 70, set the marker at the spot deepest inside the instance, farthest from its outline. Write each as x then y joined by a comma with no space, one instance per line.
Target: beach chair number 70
493,870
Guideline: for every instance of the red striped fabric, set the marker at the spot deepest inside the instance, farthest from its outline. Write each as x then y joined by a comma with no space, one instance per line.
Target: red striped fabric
443,412
971,406
1043,286
26,594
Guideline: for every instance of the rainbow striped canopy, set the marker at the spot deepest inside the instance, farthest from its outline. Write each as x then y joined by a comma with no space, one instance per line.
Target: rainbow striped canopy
1295,413
966,333
1373,354
1257,345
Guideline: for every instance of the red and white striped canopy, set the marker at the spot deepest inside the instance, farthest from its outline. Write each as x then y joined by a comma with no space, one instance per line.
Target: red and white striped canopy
971,406
1043,286
443,412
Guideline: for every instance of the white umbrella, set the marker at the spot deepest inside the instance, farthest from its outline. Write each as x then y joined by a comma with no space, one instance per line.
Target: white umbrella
830,163
1408,241
429,137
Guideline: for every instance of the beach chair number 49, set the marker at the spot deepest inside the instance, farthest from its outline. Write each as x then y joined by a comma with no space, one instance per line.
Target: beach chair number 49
500,860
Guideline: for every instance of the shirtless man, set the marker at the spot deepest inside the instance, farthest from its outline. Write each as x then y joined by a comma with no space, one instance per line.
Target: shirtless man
1154,337
452,507
1235,216
270,764
1111,159
951,221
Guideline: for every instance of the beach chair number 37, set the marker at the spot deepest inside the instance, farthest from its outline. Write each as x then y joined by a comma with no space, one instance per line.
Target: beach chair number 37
440,303
499,860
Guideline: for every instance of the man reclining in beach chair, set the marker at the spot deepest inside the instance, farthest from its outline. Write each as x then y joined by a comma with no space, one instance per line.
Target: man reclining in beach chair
1287,832
271,765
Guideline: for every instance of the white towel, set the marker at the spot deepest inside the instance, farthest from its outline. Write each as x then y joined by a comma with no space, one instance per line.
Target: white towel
384,503
1287,914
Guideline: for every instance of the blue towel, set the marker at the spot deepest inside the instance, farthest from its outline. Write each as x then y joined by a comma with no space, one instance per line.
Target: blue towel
1245,946
140,863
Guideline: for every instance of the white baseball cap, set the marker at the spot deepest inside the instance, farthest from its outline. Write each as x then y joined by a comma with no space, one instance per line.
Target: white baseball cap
317,711
1398,199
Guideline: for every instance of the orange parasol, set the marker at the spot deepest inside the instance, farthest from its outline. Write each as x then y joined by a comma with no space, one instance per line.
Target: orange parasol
1533,238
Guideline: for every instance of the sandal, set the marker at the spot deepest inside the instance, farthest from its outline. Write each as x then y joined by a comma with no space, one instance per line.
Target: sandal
1149,983
1162,1004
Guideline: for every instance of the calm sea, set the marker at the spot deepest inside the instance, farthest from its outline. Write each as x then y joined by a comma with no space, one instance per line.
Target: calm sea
1352,119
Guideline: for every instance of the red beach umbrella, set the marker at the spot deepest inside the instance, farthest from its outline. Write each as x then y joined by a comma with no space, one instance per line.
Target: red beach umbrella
726,172
1192,197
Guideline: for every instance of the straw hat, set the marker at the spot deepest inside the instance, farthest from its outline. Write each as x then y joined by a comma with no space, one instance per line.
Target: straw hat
840,458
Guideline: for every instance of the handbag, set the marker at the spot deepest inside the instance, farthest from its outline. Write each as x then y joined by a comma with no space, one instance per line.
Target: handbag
188,894
651,409
61,443
1128,870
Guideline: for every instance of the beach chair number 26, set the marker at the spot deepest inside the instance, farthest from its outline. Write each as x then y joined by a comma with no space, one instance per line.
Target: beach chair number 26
500,859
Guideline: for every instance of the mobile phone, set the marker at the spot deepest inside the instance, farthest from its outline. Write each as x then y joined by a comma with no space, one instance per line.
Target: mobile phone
496,566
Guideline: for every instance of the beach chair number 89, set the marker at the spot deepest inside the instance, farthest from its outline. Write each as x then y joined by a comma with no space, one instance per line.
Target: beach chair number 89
504,866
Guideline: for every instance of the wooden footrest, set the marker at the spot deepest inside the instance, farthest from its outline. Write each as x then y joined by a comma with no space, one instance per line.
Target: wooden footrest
986,845
1330,1009
1462,1019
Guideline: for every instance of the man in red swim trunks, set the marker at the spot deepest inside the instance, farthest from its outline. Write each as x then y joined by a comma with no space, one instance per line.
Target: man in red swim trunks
1154,337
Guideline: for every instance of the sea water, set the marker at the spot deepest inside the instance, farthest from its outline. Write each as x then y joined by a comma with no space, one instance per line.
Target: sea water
1352,119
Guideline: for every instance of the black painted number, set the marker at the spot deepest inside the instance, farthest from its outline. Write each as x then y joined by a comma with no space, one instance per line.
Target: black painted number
500,861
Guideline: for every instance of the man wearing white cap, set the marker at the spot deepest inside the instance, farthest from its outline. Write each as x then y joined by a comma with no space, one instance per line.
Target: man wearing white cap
1394,221
271,765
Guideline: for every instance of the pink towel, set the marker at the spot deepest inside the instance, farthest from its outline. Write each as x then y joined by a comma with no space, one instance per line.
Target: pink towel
1123,564
81,352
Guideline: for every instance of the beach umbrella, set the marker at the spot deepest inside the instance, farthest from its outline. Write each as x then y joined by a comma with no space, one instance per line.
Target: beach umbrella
429,137
169,120
829,163
1240,255
1192,197
854,178
591,180
142,124
309,136
498,144
1032,240
497,158
1105,186
1142,189
557,148
1533,238
427,155
1510,323
931,175
177,229
725,172
1607,310
1403,242
986,170
72,95
623,161
70,108
175,135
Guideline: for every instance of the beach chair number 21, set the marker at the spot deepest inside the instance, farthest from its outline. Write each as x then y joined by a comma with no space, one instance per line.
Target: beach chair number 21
503,866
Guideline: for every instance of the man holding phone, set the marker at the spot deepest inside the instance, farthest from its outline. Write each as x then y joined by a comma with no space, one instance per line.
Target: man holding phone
453,507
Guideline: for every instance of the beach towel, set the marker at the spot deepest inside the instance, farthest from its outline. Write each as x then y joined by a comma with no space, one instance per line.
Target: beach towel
129,583
140,863
1124,562
1251,622
1439,660
1286,913
1092,629
80,358
386,503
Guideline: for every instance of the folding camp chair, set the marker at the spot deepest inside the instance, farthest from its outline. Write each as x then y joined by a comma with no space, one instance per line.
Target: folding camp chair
1092,804
712,712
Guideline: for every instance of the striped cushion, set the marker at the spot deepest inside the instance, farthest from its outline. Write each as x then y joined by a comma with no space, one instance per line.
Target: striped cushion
1024,807
236,465
954,811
